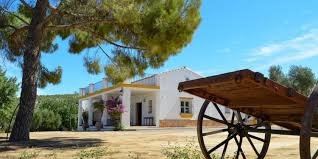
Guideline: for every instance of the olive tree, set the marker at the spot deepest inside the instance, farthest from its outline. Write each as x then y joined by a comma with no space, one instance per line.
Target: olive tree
302,79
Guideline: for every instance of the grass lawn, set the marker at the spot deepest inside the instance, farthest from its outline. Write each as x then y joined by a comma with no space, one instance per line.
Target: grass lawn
126,144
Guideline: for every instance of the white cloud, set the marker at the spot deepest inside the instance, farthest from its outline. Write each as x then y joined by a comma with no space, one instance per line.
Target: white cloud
269,49
288,59
295,49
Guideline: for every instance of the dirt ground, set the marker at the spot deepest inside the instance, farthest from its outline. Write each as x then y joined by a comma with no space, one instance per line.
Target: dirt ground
125,144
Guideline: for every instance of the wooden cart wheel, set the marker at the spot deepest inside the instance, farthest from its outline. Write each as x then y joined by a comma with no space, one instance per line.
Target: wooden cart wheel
306,147
237,130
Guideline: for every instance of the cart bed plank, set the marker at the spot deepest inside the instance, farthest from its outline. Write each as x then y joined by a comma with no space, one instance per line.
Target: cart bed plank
252,93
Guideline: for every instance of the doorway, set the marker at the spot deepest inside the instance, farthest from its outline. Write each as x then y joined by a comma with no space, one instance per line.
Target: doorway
138,114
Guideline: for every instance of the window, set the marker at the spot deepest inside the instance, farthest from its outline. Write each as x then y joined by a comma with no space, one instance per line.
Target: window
185,106
149,106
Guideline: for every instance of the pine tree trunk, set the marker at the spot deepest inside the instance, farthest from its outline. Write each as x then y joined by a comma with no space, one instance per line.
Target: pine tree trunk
31,65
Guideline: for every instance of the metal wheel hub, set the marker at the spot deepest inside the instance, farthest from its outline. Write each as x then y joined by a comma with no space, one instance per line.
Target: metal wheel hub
240,129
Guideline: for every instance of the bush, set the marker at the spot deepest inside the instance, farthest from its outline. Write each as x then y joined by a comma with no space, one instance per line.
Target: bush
37,120
6,113
63,105
55,112
46,120
8,99
50,121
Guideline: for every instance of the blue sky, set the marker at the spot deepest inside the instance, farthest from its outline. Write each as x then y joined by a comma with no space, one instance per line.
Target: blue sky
232,35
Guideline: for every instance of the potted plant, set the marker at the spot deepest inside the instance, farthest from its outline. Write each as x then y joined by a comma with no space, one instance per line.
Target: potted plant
99,106
115,108
85,120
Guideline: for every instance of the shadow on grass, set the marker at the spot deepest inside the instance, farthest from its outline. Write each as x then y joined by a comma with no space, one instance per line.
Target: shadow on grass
51,143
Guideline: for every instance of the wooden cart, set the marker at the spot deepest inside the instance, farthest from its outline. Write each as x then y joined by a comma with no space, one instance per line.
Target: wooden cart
250,93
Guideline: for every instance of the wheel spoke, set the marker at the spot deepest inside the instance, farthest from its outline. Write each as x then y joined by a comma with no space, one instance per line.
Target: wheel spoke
239,147
220,112
251,143
214,132
217,120
315,155
222,143
239,117
255,137
225,148
232,120
259,124
241,140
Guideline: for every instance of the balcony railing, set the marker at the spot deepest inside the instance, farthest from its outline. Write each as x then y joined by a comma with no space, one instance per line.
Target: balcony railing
98,86
150,80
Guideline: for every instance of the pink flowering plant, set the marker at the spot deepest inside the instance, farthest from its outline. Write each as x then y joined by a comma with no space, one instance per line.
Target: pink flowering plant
115,108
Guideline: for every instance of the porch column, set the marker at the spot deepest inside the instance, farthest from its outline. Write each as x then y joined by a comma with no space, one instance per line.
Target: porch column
105,82
157,108
125,118
90,112
91,88
79,114
104,116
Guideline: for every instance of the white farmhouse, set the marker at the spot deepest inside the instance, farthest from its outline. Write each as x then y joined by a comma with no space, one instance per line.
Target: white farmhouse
150,101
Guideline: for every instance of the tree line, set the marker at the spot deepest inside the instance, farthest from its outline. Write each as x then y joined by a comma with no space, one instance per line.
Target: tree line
52,112
302,79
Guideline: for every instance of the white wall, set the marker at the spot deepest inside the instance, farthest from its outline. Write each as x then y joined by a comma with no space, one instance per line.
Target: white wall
170,96
144,100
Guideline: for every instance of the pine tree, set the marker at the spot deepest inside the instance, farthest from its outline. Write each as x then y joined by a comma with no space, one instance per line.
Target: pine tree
141,33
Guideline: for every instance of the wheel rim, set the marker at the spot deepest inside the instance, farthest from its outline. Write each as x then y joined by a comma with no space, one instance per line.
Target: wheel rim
238,131
306,146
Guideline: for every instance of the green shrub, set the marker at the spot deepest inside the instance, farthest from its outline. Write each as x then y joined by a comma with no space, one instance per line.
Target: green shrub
6,113
50,120
8,99
37,120
63,105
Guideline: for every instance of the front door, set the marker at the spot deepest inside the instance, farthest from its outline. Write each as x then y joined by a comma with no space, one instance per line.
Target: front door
138,113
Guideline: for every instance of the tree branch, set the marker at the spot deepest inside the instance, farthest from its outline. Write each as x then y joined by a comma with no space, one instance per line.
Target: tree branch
18,31
110,58
81,25
11,26
27,5
96,35
64,13
20,18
